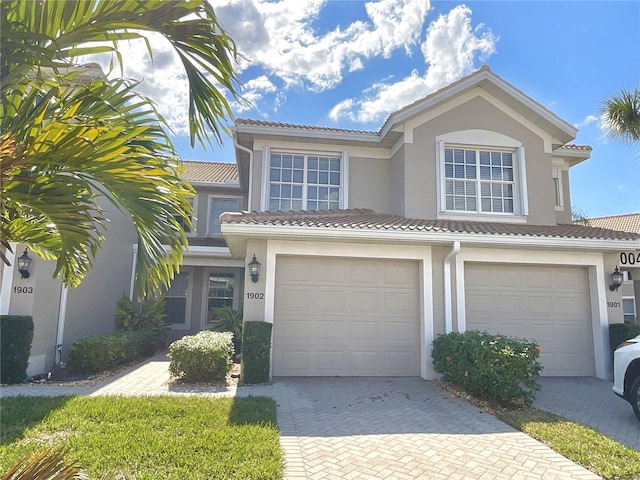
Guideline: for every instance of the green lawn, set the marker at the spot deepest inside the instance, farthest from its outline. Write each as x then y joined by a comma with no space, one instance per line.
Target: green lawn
148,437
578,443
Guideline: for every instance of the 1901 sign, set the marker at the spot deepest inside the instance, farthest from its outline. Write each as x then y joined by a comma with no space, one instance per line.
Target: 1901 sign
629,258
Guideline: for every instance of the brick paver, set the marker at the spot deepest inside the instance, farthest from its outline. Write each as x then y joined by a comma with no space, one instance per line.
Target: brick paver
590,401
366,428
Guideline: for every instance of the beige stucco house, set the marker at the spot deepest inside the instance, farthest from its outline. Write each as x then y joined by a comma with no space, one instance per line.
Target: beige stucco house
455,215
629,263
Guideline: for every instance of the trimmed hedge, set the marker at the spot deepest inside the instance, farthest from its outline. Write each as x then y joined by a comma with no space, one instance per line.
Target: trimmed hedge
203,357
95,354
16,335
620,332
495,366
256,352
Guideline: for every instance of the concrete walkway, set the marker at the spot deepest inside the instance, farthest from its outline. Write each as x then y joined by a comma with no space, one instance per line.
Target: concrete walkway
366,428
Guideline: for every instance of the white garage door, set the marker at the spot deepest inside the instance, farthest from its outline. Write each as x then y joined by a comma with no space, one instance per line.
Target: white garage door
547,304
346,317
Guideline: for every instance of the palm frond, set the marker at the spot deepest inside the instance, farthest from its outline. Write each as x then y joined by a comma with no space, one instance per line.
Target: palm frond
621,115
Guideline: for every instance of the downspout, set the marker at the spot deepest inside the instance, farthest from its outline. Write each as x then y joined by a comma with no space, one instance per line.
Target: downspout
133,272
62,317
250,152
448,307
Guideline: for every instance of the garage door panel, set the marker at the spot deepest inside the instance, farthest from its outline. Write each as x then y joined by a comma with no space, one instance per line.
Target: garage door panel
357,326
555,311
295,300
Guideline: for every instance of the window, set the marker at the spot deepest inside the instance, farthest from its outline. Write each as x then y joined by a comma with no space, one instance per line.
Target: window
182,223
304,182
175,303
217,207
557,188
221,291
629,309
479,180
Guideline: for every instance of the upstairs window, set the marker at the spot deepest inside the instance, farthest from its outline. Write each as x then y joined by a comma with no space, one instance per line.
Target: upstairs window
479,180
304,182
218,206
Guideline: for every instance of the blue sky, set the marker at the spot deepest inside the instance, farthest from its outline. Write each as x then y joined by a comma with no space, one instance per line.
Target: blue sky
348,64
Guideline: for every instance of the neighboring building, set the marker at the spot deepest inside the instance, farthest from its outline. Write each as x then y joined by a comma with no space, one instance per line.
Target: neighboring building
629,262
455,215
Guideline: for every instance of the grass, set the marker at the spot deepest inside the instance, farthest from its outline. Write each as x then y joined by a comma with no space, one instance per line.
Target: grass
148,437
582,445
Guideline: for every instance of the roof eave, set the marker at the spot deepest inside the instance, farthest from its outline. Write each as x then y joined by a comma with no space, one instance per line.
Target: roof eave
236,235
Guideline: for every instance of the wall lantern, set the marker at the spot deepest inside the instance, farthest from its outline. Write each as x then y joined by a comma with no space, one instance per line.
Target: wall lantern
24,262
254,269
616,279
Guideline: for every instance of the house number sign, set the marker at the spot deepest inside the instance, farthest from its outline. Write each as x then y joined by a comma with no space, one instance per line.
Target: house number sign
630,258
23,290
255,296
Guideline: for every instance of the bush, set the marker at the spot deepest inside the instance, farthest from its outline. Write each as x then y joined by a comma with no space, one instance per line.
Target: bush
96,354
619,332
203,357
256,344
226,319
498,367
149,315
16,335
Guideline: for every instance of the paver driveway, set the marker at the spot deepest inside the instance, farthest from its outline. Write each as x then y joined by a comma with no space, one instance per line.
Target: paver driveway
377,428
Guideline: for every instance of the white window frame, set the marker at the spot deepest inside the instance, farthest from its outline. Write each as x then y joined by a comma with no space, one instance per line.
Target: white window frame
237,291
484,140
558,189
210,198
266,165
635,310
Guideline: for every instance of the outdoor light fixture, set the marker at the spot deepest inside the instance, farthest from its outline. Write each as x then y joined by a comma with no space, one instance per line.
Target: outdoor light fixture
254,269
24,261
616,279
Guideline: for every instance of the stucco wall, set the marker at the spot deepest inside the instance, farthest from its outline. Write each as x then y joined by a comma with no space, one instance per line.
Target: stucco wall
420,159
369,184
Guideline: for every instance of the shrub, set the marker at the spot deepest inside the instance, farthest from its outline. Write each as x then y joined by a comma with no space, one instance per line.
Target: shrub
203,357
16,334
149,315
498,367
95,354
256,344
226,319
619,332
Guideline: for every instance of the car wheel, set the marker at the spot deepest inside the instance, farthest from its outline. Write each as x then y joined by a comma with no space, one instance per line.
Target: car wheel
634,397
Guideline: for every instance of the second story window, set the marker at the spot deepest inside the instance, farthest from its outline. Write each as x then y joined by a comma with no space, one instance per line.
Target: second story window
479,180
217,206
304,182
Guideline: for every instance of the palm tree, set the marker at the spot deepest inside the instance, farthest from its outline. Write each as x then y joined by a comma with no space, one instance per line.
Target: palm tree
621,115
70,141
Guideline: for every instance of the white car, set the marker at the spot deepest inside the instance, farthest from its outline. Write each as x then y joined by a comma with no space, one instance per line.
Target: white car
626,373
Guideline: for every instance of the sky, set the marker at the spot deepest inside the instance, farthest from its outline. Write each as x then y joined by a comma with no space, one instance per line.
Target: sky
349,64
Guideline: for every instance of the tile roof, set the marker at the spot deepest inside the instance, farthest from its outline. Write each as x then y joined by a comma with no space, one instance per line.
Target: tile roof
210,172
365,219
626,223
571,146
206,242
263,123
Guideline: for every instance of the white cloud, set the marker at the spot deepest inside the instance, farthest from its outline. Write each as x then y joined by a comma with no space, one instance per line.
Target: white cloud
287,46
450,50
588,120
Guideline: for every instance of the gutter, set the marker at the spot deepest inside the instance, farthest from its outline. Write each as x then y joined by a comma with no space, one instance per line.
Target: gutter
62,318
448,307
250,152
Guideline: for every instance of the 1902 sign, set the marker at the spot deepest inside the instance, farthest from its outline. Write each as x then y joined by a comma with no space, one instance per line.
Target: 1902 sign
629,258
